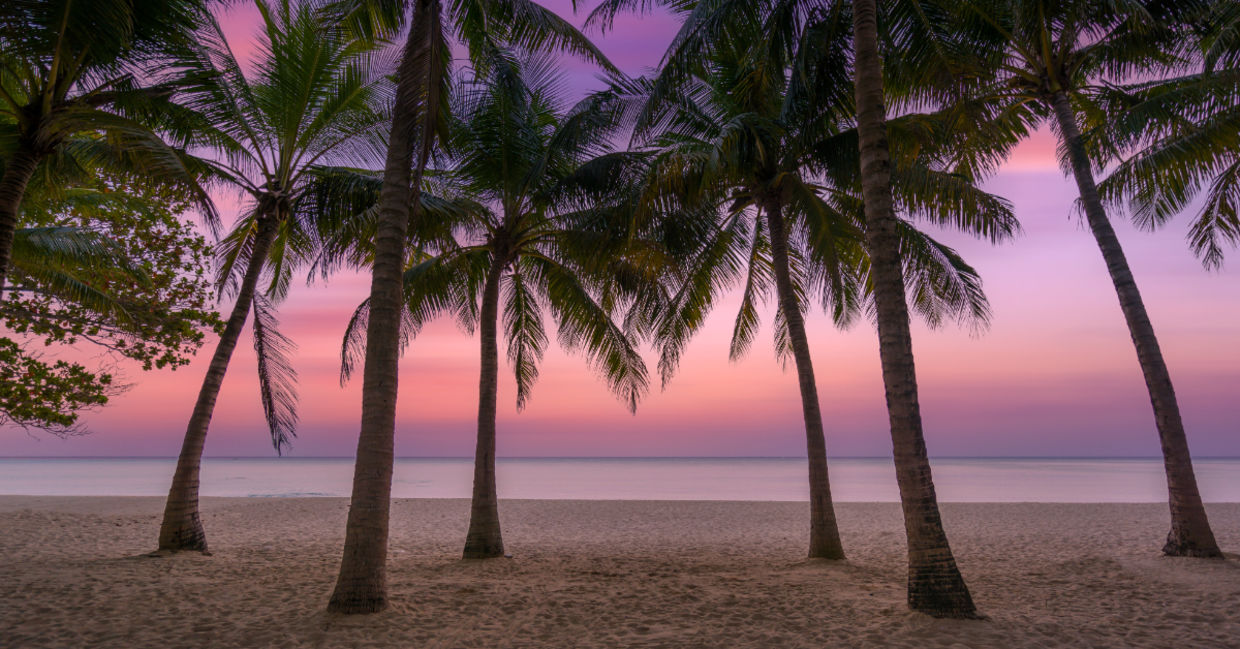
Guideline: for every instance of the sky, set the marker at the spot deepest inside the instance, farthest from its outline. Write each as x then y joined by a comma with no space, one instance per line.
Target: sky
1054,375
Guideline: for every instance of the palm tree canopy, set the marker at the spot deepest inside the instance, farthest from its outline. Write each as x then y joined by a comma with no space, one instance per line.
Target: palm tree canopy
514,146
314,100
69,68
486,27
1181,134
768,114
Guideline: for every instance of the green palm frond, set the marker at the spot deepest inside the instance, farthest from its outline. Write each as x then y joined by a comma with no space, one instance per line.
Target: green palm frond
74,264
277,379
582,324
942,286
758,282
718,266
233,252
523,333
1183,135
446,284
1218,223
487,25
953,200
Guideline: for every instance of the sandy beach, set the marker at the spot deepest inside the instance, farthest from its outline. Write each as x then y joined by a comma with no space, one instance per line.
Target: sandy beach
605,574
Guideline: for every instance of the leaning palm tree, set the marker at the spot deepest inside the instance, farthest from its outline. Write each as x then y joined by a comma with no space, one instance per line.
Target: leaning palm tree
69,68
525,248
419,120
312,99
935,585
1051,62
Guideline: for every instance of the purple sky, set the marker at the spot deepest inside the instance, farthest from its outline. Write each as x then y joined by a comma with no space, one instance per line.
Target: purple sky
1055,375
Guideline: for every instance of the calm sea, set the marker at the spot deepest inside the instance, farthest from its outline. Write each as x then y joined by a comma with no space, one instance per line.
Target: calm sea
852,479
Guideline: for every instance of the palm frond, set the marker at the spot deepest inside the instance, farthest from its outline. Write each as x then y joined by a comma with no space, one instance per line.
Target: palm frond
523,333
277,379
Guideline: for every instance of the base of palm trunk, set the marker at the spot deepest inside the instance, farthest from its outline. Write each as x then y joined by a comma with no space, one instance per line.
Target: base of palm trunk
941,594
185,535
492,549
1183,543
356,603
826,550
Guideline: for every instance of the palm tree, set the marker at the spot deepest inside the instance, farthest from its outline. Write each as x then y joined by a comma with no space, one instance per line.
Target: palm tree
1052,61
418,122
935,585
1184,130
764,128
312,100
68,68
733,132
523,248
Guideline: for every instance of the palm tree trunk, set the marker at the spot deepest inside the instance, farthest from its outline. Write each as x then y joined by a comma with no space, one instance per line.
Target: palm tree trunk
1190,534
17,174
824,534
483,541
182,528
361,586
935,585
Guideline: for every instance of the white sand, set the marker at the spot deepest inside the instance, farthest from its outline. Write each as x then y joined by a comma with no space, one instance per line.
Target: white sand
605,574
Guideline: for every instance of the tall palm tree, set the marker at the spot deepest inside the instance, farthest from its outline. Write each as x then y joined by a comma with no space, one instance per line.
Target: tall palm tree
1052,62
418,122
935,585
526,247
313,99
753,112
68,68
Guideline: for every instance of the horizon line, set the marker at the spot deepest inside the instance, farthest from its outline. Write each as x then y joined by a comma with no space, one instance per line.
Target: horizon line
611,457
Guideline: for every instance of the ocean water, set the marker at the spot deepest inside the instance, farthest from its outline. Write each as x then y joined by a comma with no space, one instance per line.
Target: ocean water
780,479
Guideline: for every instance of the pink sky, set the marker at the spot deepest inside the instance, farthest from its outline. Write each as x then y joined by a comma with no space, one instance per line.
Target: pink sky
1055,375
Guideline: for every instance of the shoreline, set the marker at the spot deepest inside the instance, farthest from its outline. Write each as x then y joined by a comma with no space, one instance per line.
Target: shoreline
14,502
750,479
599,573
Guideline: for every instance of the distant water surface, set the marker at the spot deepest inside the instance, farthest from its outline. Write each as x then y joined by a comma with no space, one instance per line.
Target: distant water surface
852,479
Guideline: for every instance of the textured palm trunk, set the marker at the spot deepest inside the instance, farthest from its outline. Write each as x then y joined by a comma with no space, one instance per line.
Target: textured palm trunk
18,171
1190,533
181,529
484,541
935,585
824,534
361,586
